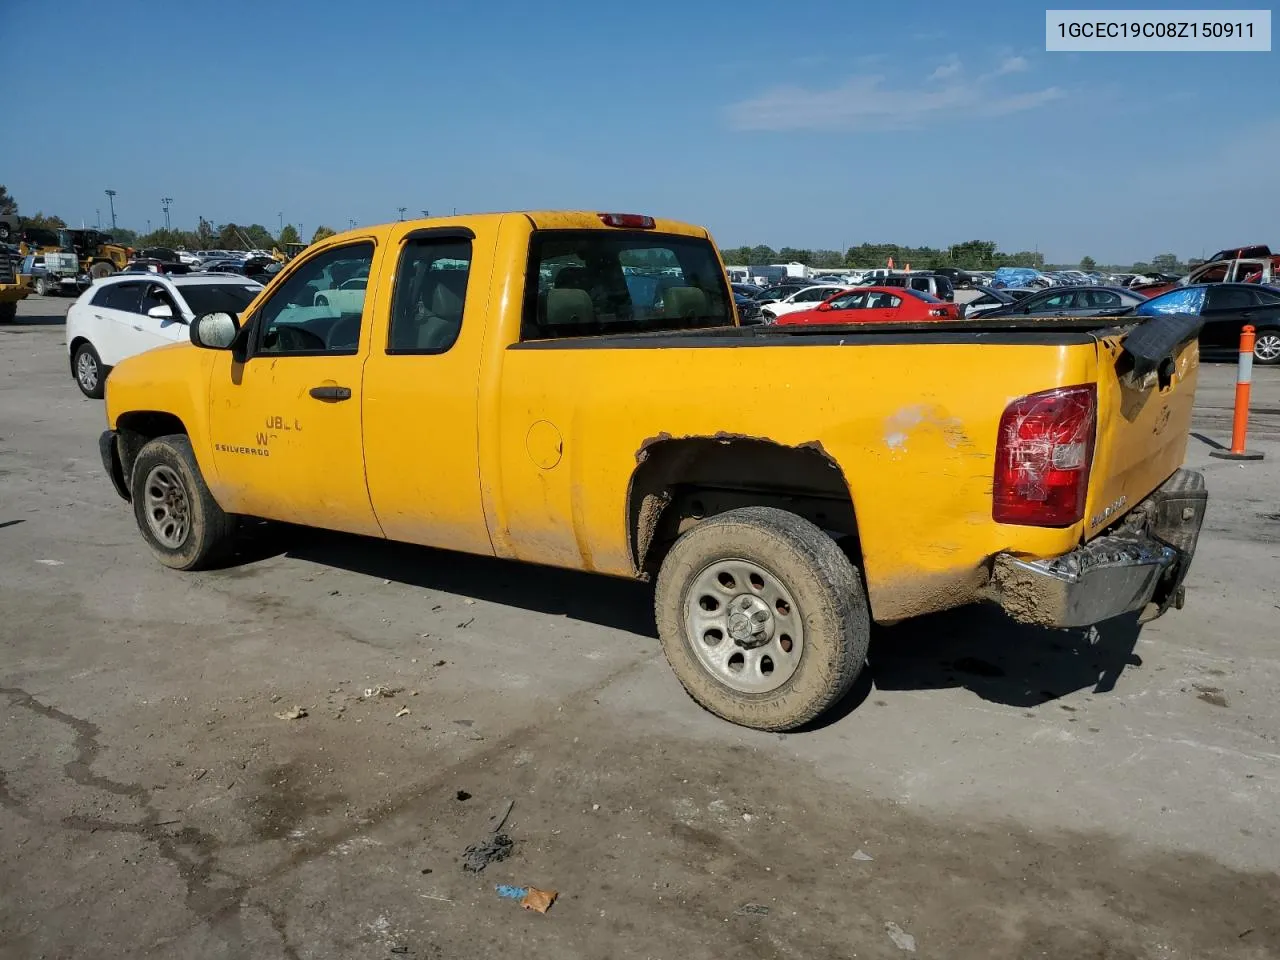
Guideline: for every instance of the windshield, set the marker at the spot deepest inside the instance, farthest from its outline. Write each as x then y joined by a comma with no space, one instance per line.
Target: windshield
592,282
205,298
40,237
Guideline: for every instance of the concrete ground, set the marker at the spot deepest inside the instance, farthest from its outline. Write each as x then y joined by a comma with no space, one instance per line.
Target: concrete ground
989,791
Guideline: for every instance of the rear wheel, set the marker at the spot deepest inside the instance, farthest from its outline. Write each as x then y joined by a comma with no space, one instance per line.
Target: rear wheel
91,378
103,268
178,517
762,617
1266,346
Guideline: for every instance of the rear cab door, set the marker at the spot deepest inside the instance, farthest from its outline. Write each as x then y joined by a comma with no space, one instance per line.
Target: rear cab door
421,385
1227,308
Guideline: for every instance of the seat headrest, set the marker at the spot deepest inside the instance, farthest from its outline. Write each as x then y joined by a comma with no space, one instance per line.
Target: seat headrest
569,307
685,302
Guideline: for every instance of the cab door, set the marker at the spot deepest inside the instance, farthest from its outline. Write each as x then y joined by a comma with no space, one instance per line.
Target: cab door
422,384
285,413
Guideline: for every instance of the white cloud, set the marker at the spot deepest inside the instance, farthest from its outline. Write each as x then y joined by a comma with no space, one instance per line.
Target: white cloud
866,103
1012,65
947,69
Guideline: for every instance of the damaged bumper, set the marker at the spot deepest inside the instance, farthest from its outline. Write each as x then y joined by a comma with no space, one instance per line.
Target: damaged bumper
1138,567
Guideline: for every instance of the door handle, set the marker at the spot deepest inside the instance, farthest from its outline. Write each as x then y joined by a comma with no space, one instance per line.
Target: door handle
331,394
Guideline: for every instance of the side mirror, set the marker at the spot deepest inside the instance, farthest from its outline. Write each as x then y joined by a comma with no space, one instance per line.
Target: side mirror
214,331
824,306
161,311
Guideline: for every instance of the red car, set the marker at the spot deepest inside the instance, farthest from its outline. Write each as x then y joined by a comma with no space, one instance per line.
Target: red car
875,305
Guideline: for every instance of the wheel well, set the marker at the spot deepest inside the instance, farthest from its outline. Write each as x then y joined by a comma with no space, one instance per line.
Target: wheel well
134,430
71,352
679,482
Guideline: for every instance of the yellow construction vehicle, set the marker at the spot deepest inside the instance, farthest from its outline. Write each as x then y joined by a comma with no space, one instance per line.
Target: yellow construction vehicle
12,289
290,251
99,255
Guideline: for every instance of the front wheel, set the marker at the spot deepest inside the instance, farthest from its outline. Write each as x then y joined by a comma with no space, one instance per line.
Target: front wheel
102,268
91,377
178,517
41,287
1266,346
762,617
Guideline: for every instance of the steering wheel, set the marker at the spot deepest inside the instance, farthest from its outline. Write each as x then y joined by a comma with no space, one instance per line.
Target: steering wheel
294,339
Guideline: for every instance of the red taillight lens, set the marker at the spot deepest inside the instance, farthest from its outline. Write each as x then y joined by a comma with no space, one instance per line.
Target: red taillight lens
635,221
1043,454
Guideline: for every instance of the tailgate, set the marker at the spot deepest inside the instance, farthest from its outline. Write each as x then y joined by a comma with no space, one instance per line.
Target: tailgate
1144,419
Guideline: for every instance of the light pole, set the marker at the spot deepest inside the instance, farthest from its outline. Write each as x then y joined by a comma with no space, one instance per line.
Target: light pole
148,226
402,210
98,211
281,216
351,223
426,213
111,198
164,204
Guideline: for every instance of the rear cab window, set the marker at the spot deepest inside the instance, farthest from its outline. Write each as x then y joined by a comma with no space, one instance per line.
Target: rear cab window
583,283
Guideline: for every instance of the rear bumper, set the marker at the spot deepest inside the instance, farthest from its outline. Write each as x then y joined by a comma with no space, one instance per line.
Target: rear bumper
1138,567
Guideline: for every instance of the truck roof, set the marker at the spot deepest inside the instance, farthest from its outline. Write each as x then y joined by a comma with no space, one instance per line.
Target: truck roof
548,220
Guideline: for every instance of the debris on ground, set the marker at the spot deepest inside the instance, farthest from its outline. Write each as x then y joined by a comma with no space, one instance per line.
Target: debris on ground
462,795
531,898
752,910
439,663
297,713
466,623
497,847
374,693
901,939
863,855
399,949
469,602
402,712
479,855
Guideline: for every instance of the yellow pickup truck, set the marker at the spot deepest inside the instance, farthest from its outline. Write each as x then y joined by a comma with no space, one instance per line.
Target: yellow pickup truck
572,389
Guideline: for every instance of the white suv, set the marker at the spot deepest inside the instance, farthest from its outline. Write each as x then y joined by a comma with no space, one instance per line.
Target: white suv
806,299
129,313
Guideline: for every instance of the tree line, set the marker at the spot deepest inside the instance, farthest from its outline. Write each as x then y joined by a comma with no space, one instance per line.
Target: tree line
206,235
970,255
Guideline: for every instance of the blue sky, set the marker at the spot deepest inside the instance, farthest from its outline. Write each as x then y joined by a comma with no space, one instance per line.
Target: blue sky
811,124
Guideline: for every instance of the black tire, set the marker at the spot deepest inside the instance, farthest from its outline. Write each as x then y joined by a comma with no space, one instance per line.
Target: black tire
4,233
1264,346
41,286
89,373
164,465
102,268
8,312
830,606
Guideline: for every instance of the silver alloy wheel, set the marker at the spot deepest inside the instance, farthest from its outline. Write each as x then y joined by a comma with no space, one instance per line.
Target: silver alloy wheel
87,371
1267,347
743,626
167,507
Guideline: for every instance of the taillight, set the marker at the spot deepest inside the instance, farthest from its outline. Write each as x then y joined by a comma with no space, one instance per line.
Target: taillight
1043,454
939,312
635,221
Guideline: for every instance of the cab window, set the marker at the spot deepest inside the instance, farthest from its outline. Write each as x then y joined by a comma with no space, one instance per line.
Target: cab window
319,308
430,292
592,282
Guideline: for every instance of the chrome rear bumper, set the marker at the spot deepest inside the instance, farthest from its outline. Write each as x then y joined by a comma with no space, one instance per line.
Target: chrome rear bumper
1139,566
